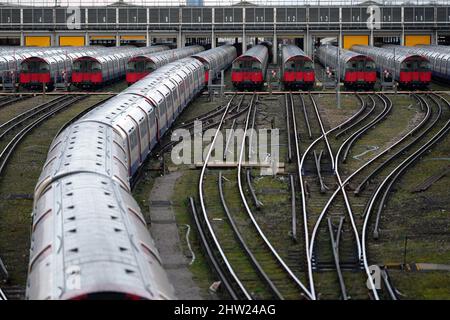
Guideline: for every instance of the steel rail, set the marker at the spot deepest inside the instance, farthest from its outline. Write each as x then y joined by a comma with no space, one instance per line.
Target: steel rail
205,214
300,163
7,102
293,210
395,178
362,108
305,114
335,249
402,166
263,275
9,148
335,166
428,114
238,113
255,223
209,252
352,138
302,191
288,128
207,115
11,123
325,208
364,129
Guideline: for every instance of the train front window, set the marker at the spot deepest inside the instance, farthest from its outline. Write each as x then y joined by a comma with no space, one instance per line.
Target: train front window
370,66
308,65
86,66
247,65
35,67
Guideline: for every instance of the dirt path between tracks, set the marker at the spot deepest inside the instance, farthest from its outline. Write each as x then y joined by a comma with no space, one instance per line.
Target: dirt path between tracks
164,230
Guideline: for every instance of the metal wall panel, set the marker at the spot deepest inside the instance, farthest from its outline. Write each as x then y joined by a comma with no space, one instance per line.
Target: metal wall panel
174,15
123,16
111,15
301,15
186,15
92,16
429,14
38,16
101,16
442,14
164,16
397,14
237,15
154,15
197,15
409,14
346,15
207,15
313,14
334,15
228,15
48,16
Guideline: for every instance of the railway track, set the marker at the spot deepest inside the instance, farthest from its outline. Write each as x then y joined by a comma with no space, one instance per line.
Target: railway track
315,177
345,182
252,262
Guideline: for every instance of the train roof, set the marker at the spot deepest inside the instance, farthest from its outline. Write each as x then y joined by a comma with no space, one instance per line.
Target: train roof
345,55
207,55
161,55
258,52
399,54
292,52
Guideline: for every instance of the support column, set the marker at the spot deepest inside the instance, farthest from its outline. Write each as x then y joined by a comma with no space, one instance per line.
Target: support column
213,38
117,40
275,47
402,38
306,42
86,39
147,38
435,38
22,39
244,37
181,39
371,38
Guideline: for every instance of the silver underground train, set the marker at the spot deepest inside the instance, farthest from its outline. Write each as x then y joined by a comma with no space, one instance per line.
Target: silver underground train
89,237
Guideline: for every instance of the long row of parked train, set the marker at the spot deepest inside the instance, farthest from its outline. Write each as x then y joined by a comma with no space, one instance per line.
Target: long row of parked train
89,237
410,67
87,67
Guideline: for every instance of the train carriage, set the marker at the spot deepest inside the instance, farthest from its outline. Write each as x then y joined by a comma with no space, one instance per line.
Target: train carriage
297,69
216,60
411,71
106,67
48,67
439,57
101,236
356,70
141,65
249,69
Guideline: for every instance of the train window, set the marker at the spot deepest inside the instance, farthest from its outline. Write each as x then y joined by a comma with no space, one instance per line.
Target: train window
143,129
133,139
370,66
308,65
